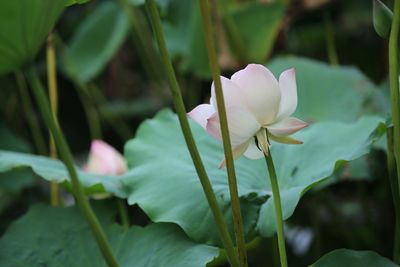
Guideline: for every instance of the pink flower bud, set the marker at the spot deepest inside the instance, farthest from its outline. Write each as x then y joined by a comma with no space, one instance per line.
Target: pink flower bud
105,160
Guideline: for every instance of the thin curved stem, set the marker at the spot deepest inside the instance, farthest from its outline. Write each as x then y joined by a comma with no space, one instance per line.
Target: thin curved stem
37,135
394,88
330,41
212,54
91,113
183,120
117,123
53,95
66,155
123,213
141,40
278,209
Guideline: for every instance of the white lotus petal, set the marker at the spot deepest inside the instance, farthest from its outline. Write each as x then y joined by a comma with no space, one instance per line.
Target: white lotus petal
201,113
236,152
287,84
253,152
260,92
286,126
231,93
242,125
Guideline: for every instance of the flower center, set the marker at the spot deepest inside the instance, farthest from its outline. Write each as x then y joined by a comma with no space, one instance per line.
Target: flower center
262,140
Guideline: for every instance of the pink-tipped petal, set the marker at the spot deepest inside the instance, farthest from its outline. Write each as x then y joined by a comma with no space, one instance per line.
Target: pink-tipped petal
286,126
105,160
231,93
259,92
242,125
253,152
201,114
287,84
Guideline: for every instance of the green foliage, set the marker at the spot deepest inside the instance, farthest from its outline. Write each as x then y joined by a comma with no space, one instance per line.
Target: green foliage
14,180
345,257
239,22
24,26
47,236
160,163
382,19
73,2
9,141
96,40
243,21
54,170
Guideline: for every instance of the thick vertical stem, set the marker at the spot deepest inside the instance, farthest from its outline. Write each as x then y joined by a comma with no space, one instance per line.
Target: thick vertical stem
278,209
183,120
212,54
394,86
391,164
66,155
53,95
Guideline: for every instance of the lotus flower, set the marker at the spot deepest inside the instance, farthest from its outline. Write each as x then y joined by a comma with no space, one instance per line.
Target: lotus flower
105,160
258,108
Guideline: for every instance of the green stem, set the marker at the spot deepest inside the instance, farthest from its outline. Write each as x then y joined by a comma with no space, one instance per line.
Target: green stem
53,95
142,41
330,41
37,135
117,123
123,213
391,163
66,155
278,209
183,120
394,84
90,111
212,55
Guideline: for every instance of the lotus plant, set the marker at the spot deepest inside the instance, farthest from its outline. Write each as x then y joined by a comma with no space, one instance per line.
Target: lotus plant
258,108
105,160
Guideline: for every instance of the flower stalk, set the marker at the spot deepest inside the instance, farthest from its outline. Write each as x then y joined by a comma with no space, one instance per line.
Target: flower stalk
53,95
278,209
391,165
237,217
183,120
66,155
394,90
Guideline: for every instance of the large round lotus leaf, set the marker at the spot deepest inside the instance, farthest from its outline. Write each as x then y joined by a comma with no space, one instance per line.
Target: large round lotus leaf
24,26
55,237
346,257
163,181
96,41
